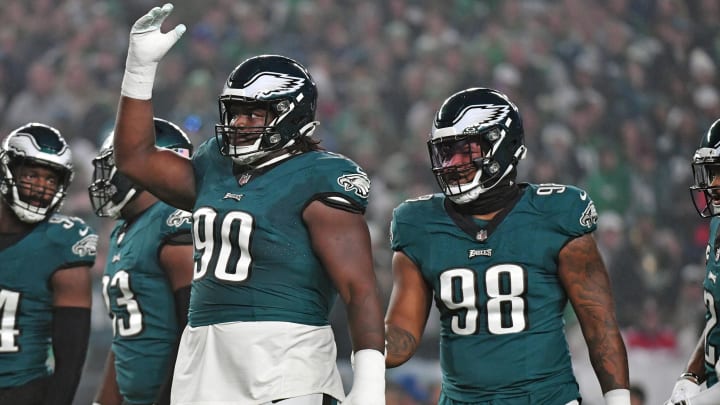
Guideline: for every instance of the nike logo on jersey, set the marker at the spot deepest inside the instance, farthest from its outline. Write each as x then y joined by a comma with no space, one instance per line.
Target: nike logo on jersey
712,277
231,196
84,232
583,195
479,252
116,258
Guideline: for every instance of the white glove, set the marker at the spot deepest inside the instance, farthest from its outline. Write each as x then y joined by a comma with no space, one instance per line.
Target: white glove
682,390
620,396
147,46
368,379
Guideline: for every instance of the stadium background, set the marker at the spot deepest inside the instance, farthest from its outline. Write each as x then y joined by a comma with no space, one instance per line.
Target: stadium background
615,96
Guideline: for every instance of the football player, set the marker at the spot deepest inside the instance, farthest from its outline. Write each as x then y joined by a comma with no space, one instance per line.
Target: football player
146,284
45,289
501,260
702,365
278,230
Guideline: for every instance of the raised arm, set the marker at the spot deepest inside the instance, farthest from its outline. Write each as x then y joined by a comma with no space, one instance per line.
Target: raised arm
585,279
164,173
408,311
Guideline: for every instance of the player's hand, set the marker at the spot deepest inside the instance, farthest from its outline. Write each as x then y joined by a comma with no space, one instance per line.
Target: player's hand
682,390
368,379
147,46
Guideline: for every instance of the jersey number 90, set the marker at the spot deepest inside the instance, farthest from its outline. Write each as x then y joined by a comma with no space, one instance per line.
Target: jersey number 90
231,253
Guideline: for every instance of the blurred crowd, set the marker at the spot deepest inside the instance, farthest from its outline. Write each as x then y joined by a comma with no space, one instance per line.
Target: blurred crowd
614,94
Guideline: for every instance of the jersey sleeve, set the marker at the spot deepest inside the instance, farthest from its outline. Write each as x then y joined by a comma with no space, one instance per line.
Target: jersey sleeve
573,211
74,241
341,183
176,226
405,235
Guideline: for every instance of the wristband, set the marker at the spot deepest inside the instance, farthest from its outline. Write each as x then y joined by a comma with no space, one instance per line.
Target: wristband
369,363
692,377
620,396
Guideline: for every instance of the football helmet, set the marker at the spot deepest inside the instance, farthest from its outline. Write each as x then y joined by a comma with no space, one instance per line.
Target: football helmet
705,191
110,190
476,141
34,144
282,88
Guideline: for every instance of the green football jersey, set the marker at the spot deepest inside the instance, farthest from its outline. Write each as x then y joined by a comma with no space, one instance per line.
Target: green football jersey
496,286
253,255
140,300
711,286
26,297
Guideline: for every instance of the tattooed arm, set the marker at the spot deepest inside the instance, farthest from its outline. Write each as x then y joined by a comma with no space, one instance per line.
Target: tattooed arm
586,282
408,310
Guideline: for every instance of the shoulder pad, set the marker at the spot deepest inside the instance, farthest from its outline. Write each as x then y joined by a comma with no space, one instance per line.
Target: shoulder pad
567,201
73,232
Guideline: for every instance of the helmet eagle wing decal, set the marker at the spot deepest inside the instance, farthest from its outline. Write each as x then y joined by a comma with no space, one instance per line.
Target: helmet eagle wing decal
266,84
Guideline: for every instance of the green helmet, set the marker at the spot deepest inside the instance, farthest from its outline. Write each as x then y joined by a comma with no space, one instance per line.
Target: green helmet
705,190
34,144
110,190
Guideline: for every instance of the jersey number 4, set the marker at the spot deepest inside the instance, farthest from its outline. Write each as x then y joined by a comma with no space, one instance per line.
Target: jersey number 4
506,306
9,331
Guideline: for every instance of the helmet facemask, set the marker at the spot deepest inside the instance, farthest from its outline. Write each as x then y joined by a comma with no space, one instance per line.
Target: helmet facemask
246,144
475,144
34,146
468,165
109,191
287,96
23,196
705,191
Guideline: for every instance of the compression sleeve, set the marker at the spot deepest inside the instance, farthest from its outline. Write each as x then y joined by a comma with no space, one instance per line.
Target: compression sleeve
70,335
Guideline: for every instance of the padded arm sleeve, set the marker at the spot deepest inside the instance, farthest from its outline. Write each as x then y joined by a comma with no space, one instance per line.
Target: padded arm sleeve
70,334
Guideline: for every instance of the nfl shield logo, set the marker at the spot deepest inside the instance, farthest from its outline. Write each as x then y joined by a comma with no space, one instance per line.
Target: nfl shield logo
243,180
481,235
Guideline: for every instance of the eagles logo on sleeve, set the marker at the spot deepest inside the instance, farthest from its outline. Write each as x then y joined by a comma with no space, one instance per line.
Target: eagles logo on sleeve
589,217
178,217
357,182
86,246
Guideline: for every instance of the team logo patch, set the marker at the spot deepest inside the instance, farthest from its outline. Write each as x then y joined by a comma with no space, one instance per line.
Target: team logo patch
178,217
589,217
86,246
357,182
266,84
